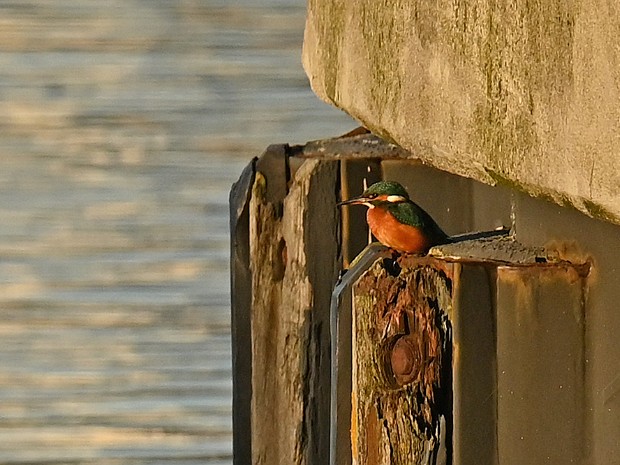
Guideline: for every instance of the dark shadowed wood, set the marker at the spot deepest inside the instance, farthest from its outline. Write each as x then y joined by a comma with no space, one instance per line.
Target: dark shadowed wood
241,301
356,175
294,260
401,362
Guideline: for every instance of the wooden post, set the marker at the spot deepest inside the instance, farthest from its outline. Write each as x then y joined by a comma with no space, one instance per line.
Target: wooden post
341,351
402,349
450,352
473,354
294,264
285,257
241,304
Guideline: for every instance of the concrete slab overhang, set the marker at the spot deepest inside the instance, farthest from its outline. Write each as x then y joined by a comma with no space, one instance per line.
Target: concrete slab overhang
520,94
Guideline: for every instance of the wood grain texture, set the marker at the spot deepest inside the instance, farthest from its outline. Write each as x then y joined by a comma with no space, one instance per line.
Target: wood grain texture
294,260
401,362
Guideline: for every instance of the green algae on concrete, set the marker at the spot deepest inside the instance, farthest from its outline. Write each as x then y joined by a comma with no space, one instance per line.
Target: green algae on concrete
529,91
560,198
329,28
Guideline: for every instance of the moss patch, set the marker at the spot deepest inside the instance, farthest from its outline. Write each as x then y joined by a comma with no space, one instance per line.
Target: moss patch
330,26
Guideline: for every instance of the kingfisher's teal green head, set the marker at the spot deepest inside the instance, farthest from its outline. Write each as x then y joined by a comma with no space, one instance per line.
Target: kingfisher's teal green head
396,221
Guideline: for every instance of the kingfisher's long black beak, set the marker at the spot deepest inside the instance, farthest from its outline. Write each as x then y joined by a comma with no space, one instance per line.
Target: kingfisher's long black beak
353,201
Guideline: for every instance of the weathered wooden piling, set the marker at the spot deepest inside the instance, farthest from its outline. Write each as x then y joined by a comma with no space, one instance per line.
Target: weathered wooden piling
473,354
292,264
402,346
521,98
451,356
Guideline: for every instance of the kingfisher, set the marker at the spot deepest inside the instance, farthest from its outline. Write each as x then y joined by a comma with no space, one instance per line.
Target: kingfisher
396,221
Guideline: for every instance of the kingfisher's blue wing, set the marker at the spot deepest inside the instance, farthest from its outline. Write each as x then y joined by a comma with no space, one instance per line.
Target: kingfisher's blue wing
412,214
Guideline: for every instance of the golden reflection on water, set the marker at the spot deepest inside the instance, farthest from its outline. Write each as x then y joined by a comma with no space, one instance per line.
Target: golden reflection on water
122,126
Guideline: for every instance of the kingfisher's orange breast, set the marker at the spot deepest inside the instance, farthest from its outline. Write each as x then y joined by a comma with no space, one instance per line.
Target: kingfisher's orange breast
391,232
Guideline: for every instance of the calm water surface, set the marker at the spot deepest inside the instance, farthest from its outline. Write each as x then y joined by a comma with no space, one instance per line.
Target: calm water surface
122,126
